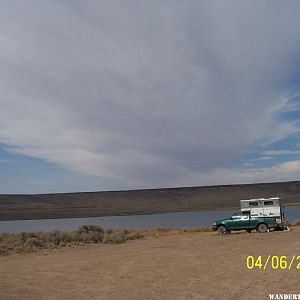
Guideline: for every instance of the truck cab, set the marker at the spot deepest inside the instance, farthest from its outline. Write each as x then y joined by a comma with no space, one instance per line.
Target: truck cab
244,221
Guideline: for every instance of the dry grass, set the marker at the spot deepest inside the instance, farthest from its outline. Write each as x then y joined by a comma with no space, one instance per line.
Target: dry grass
159,232
26,242
296,223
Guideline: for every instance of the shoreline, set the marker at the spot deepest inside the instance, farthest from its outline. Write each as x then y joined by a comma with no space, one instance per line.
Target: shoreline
124,214
133,214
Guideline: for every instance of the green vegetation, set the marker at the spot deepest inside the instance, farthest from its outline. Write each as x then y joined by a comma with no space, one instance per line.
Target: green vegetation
26,242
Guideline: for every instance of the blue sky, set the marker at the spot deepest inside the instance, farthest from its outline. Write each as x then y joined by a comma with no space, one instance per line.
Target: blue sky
24,174
105,95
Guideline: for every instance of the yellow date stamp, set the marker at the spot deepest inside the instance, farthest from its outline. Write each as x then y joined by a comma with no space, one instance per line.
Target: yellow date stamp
275,262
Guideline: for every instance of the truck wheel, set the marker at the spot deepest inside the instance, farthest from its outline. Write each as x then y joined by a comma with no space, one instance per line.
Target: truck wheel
262,228
222,229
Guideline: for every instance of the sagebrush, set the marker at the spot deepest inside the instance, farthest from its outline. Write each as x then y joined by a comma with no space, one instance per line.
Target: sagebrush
86,234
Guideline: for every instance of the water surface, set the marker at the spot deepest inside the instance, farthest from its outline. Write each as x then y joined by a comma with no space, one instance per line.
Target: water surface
178,220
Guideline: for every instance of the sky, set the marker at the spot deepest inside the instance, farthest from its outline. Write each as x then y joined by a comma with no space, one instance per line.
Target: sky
112,95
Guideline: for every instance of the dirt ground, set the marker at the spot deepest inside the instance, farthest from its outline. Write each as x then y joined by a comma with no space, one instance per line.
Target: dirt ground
194,266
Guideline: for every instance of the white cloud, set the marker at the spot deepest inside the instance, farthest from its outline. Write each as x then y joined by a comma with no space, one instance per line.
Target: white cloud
262,158
155,93
282,131
286,171
282,152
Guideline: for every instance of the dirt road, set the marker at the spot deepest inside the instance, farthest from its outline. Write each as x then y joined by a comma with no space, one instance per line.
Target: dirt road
196,266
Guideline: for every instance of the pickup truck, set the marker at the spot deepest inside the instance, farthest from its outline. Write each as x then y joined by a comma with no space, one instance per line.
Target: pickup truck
243,221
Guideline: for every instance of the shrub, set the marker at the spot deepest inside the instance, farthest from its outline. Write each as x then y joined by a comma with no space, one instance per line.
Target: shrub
4,236
90,234
109,231
135,235
96,237
90,228
117,237
33,243
26,235
86,234
55,237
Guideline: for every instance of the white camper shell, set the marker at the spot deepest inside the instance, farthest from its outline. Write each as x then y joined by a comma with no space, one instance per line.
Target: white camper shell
270,207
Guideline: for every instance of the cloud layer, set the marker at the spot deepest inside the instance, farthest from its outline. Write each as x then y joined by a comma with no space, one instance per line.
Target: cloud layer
154,93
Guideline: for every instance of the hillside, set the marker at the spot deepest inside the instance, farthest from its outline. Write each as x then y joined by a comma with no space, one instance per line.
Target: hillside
88,204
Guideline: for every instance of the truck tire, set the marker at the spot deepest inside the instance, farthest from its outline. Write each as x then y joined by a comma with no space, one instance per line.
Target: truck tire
222,230
262,228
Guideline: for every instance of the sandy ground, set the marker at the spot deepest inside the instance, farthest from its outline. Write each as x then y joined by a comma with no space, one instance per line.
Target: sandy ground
195,266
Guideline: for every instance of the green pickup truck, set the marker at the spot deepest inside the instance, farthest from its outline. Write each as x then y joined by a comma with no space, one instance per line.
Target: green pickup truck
243,221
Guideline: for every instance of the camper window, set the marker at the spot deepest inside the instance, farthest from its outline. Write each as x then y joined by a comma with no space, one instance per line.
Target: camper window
266,203
253,203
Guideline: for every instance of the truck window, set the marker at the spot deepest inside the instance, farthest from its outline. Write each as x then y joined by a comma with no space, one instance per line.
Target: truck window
236,216
268,203
245,216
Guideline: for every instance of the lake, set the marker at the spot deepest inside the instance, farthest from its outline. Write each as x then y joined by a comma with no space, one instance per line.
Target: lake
178,220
